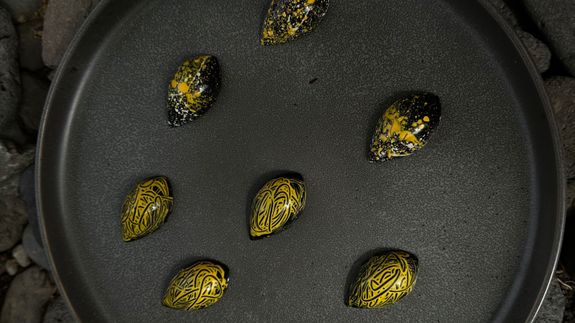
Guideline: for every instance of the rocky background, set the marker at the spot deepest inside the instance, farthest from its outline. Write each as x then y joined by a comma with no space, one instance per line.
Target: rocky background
34,35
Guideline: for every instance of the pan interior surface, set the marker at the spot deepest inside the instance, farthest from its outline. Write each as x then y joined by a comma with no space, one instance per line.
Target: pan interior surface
469,205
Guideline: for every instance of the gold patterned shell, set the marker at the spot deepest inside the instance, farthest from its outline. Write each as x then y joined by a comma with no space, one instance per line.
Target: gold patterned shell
290,19
146,208
383,280
196,287
277,204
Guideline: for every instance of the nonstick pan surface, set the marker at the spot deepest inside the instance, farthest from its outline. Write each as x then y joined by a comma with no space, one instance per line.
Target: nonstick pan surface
481,205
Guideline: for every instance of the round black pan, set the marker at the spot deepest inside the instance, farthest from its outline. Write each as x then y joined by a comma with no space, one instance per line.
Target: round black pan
481,206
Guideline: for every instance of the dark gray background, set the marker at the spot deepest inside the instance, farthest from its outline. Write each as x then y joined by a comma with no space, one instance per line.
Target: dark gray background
463,205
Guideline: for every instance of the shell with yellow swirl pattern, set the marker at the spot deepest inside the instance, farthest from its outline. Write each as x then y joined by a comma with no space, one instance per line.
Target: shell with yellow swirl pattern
405,126
146,208
383,280
290,19
277,204
198,286
193,89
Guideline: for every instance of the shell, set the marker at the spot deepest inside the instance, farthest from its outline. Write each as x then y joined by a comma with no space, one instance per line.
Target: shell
198,286
146,208
277,204
289,19
383,280
193,89
405,126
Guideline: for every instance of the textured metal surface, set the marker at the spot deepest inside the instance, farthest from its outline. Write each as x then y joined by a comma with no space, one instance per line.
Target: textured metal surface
480,206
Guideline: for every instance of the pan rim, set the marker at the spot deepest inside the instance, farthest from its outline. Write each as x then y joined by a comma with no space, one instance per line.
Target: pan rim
557,148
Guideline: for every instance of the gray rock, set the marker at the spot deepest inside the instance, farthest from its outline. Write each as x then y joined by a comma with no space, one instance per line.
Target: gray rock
9,187
34,91
27,186
51,75
58,312
28,195
504,11
21,257
3,260
22,9
13,159
11,267
34,248
12,221
553,306
61,21
27,296
9,80
540,53
556,20
561,91
30,49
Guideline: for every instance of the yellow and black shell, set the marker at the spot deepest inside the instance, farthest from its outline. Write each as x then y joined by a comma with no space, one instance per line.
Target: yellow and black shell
405,126
193,90
277,204
198,286
383,280
290,19
146,208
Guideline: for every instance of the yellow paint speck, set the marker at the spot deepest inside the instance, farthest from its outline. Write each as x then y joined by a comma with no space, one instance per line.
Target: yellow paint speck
191,97
183,87
426,119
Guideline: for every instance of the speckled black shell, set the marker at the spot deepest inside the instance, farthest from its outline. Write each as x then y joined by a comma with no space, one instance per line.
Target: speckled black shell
193,89
290,19
405,126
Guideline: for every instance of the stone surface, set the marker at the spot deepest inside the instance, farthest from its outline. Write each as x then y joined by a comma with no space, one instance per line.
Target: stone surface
61,21
556,20
27,296
561,91
30,45
51,75
12,221
31,238
4,284
28,195
14,159
9,80
539,52
9,187
11,267
504,11
34,248
34,91
22,10
567,256
3,259
12,208
21,257
27,187
567,286
553,306
58,312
